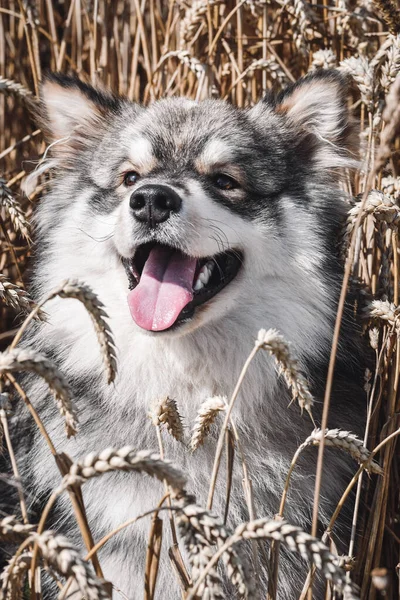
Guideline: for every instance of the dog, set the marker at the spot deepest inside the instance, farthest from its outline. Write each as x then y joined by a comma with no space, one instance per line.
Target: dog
196,224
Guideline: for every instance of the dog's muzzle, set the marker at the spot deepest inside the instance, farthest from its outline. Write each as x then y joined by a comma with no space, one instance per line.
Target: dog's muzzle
153,204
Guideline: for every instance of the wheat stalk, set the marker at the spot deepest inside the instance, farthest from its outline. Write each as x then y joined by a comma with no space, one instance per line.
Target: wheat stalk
206,415
28,360
165,412
14,210
273,342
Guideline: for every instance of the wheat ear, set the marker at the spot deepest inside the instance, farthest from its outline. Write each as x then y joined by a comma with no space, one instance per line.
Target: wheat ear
13,209
13,576
11,86
347,441
274,343
194,16
206,416
72,288
363,74
60,555
390,14
28,360
124,459
295,539
165,412
343,440
12,529
201,531
323,59
384,310
378,204
14,296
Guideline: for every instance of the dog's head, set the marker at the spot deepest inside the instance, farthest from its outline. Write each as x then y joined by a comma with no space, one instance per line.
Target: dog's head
203,203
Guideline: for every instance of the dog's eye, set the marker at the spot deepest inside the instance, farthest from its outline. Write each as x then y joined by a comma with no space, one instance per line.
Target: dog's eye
131,178
224,182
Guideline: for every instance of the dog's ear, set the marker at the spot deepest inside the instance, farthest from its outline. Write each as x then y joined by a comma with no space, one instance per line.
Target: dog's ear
315,111
68,107
318,103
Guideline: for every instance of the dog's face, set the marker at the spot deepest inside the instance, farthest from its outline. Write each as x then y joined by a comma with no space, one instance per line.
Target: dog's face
194,195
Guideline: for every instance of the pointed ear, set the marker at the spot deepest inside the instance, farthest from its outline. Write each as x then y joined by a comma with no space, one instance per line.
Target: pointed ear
317,104
70,107
315,114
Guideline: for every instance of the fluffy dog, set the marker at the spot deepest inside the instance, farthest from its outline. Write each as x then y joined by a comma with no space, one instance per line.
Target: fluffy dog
196,224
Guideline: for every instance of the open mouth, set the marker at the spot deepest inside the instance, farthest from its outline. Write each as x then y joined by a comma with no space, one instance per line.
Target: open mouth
167,285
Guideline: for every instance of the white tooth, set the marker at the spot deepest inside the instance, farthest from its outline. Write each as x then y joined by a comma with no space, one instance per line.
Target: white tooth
210,266
203,277
198,285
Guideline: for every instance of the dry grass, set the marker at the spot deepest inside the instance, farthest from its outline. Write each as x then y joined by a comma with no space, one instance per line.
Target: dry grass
147,49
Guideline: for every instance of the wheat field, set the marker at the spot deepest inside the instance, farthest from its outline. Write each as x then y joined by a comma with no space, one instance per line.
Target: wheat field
145,50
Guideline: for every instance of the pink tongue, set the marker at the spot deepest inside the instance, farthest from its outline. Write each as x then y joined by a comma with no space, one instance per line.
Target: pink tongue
164,289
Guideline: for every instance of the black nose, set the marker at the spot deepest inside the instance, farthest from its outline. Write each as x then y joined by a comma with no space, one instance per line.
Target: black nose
153,204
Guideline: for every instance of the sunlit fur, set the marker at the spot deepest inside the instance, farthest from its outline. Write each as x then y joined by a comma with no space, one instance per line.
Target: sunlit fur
287,153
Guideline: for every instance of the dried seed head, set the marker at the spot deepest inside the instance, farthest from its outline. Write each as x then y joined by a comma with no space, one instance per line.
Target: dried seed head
380,579
13,87
323,59
363,74
201,531
124,459
346,441
206,415
165,412
275,344
14,296
13,209
391,186
271,66
198,68
367,381
28,360
72,288
374,338
391,66
296,540
193,18
384,310
379,205
304,22
11,529
13,576
60,555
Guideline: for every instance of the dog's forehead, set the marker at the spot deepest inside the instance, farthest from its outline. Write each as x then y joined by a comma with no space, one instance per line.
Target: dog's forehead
184,130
